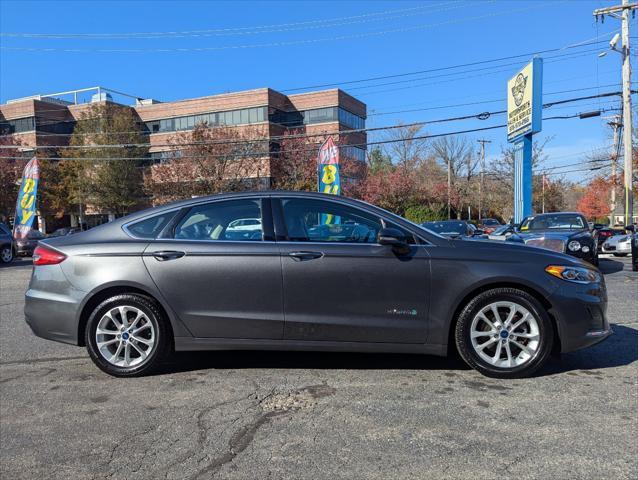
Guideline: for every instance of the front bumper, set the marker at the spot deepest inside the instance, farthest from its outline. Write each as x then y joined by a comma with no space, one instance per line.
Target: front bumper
580,314
620,248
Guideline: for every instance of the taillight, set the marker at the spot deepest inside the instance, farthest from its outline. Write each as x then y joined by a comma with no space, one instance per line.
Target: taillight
47,256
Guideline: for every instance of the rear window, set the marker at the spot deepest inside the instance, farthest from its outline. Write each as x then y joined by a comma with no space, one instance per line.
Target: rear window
150,227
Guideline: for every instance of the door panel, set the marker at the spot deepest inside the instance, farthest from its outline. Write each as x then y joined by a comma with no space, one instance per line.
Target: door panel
224,289
218,273
355,293
340,285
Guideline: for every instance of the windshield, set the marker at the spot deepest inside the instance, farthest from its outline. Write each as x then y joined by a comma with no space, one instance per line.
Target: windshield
551,222
501,230
490,222
447,228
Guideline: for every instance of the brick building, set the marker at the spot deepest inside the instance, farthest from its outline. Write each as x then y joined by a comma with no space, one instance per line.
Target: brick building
48,120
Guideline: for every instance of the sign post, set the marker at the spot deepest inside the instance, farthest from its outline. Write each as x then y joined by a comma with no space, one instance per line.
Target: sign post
524,117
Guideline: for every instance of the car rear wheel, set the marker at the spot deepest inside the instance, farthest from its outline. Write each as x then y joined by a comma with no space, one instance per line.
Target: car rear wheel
6,254
127,335
504,333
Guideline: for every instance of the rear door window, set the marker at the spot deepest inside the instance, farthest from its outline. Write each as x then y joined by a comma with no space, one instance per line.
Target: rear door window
231,220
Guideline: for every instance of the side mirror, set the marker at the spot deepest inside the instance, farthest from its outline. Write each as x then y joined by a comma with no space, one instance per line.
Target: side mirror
394,238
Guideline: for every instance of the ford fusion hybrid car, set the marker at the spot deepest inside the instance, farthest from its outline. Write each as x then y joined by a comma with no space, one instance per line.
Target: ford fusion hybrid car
306,271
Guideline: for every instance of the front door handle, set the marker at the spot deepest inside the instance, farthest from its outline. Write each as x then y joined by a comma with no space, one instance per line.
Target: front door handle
164,255
301,256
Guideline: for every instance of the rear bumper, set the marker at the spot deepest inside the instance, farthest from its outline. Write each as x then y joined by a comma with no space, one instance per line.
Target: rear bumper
52,305
580,313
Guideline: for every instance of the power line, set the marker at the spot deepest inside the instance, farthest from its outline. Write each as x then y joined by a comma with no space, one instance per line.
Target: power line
273,44
230,30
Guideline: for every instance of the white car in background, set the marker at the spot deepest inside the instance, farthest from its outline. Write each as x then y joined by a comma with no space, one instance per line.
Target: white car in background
502,232
619,245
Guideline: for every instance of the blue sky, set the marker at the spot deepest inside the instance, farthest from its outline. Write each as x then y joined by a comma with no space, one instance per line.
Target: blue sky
228,46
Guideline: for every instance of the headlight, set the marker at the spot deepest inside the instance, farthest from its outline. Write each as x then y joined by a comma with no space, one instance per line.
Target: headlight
623,239
574,274
574,245
585,249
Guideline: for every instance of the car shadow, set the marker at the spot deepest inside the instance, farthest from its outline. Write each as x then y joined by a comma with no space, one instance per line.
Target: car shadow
249,359
618,350
18,262
607,266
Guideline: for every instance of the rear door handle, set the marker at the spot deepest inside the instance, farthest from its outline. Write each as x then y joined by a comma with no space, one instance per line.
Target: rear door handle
301,256
164,255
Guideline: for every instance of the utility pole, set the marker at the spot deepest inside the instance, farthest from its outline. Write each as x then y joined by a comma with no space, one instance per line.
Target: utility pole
480,209
616,125
613,12
543,194
449,188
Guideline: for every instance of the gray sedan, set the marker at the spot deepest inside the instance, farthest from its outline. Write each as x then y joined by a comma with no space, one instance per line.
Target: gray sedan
315,272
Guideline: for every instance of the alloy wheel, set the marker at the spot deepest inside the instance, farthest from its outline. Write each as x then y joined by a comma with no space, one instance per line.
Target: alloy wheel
505,334
125,336
6,255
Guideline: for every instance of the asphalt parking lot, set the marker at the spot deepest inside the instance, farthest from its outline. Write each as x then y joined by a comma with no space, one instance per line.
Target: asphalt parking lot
251,415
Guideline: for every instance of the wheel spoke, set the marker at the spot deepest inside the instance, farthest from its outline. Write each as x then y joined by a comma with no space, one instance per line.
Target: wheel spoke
482,346
521,321
102,331
140,351
139,316
481,333
114,319
108,342
116,355
497,354
497,316
529,336
482,316
142,340
510,316
127,354
524,348
143,327
123,311
509,354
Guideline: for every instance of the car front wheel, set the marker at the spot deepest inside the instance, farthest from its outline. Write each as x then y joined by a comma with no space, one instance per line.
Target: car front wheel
6,254
504,333
127,335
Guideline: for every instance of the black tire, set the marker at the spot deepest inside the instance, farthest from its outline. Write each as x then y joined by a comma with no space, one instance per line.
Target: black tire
160,350
471,357
6,254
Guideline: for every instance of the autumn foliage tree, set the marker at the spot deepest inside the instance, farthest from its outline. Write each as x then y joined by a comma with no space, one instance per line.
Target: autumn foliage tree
594,203
209,160
11,164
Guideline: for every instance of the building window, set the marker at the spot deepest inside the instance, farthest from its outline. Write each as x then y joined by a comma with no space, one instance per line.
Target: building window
354,153
18,125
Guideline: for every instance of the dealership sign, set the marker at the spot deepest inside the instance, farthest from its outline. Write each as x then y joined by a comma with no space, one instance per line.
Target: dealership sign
25,206
524,101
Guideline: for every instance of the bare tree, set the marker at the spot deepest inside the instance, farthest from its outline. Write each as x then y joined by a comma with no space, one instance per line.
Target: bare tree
406,149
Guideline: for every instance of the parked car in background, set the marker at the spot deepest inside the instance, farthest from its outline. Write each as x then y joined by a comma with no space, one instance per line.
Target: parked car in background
7,245
606,233
25,246
618,245
634,252
488,225
61,232
136,288
564,232
502,232
453,228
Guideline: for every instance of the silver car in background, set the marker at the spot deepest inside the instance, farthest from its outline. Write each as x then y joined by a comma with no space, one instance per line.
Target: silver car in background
619,245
